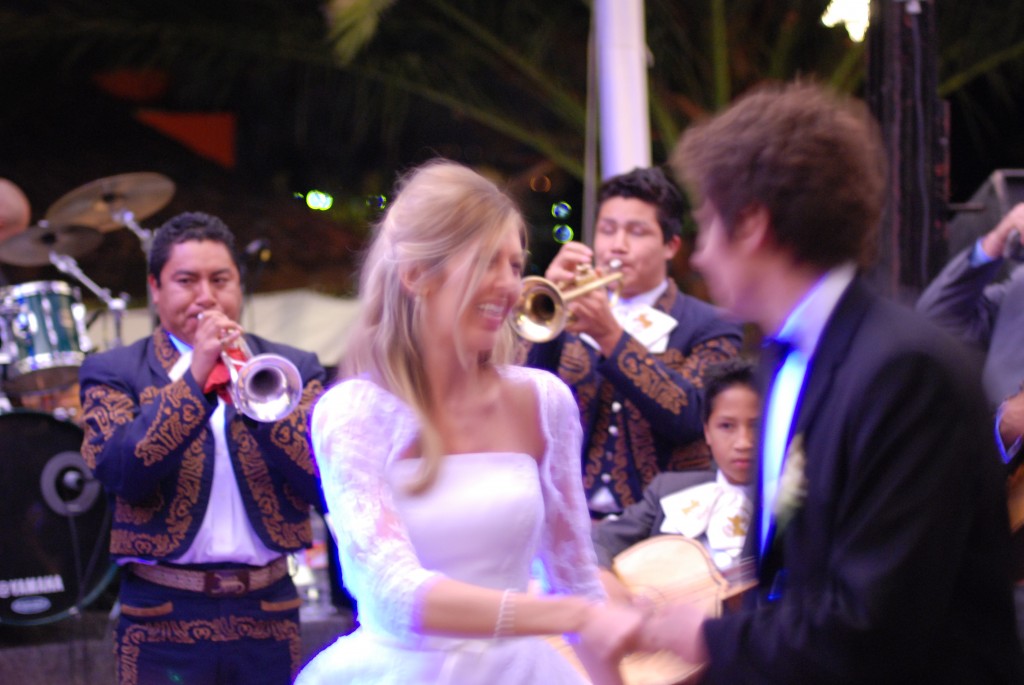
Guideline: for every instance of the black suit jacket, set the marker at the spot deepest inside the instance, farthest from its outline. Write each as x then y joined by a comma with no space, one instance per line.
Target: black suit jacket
896,567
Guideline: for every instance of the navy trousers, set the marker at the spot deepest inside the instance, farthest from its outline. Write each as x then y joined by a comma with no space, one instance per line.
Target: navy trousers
167,636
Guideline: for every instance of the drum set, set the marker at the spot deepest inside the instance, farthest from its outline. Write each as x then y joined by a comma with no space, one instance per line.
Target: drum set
54,519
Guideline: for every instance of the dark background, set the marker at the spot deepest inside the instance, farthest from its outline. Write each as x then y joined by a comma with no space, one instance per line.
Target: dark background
435,78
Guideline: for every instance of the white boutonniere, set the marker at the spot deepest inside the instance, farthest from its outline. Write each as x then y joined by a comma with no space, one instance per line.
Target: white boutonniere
792,484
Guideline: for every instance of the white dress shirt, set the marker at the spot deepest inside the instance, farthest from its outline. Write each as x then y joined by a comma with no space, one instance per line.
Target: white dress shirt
802,329
225,535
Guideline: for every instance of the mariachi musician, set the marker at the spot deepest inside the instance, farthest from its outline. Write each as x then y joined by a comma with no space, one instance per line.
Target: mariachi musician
636,367
208,502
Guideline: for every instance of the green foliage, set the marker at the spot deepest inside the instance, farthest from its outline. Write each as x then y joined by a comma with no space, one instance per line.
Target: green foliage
512,74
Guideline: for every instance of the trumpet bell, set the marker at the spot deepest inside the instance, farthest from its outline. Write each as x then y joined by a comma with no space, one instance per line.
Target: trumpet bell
267,388
540,314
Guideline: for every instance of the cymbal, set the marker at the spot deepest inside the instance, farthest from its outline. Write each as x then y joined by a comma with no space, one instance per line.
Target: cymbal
100,203
32,246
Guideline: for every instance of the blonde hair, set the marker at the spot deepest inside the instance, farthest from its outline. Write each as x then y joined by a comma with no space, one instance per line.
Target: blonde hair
441,209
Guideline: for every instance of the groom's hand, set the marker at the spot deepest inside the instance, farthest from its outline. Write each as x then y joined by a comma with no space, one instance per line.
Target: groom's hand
677,628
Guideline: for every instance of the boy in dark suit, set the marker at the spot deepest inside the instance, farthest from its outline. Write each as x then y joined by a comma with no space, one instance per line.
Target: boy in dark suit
713,506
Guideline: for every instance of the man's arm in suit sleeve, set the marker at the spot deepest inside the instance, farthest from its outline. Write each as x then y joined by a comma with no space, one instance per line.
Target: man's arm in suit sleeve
667,389
130,445
613,535
639,520
286,442
963,300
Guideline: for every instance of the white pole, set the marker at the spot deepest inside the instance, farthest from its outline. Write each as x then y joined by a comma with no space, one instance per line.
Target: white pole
622,84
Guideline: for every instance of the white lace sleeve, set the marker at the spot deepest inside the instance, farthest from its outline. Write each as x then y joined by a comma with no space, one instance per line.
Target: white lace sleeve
357,429
566,550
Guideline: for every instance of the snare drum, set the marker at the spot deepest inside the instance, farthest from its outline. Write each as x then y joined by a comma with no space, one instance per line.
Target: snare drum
63,402
45,340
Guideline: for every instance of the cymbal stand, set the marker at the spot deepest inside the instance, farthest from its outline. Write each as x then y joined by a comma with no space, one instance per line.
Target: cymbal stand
116,305
127,217
145,236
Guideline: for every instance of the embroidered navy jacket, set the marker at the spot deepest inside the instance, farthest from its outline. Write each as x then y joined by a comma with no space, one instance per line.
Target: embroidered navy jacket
640,410
148,441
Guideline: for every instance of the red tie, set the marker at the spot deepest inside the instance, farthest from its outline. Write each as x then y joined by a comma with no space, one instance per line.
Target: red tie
220,376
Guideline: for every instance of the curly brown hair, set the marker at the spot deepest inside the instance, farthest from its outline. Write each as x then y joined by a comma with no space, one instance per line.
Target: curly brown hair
811,157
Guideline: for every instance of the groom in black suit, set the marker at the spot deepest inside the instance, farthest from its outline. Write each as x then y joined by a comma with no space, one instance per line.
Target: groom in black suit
880,524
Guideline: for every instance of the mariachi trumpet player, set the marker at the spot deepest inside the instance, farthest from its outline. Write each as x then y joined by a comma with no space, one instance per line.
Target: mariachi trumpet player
635,353
208,501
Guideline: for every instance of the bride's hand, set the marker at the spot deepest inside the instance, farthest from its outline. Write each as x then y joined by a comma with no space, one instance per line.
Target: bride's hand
613,587
609,633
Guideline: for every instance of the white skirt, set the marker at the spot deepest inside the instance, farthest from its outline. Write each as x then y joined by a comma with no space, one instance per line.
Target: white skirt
362,658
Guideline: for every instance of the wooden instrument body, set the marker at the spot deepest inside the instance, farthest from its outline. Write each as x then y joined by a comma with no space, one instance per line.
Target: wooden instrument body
668,569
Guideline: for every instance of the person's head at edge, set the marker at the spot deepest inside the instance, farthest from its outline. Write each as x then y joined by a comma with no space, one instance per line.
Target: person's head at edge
731,415
193,267
15,212
639,223
789,180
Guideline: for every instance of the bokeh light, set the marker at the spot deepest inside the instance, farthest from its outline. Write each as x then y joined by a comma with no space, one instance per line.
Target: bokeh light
377,202
562,233
561,210
540,184
319,200
854,14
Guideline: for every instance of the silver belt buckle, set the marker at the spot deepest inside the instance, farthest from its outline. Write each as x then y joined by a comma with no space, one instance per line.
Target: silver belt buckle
226,583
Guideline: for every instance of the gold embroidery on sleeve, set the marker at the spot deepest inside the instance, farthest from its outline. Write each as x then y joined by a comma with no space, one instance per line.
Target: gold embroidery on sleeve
637,364
257,476
179,513
574,365
104,410
291,434
178,415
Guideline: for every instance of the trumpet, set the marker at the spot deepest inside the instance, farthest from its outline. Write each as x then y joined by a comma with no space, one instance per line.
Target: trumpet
265,387
540,313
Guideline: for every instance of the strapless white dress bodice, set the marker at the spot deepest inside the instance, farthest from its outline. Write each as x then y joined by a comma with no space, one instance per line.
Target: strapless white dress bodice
478,523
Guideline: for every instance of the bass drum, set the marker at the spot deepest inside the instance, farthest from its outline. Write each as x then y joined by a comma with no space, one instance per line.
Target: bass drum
54,522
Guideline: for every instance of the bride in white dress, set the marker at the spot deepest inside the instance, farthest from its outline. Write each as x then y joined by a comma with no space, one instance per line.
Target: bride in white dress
446,470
